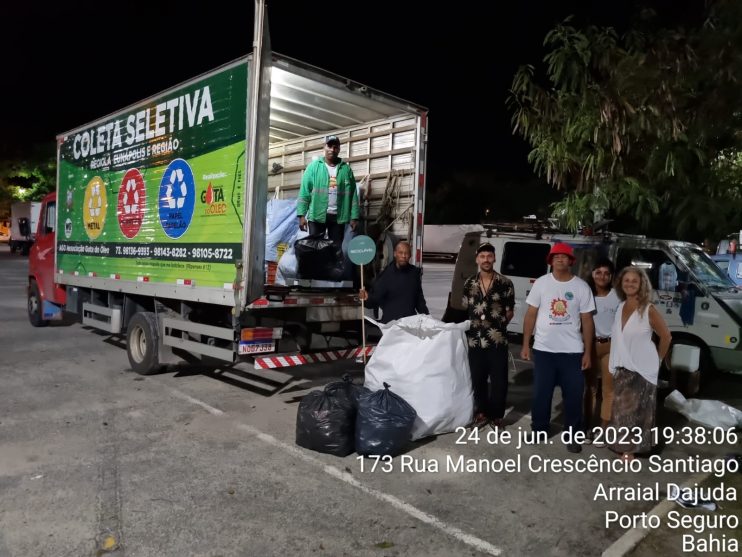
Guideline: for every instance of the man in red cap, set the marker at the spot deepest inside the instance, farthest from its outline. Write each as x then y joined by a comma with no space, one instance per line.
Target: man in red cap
560,308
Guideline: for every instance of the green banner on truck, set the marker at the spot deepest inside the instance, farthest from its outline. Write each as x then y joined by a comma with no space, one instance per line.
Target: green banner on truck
156,193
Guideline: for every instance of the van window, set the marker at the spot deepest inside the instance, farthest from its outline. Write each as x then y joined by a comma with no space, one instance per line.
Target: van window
663,274
524,259
586,257
50,218
702,267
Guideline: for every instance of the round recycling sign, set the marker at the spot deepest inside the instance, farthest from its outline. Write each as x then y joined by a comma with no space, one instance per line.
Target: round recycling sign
361,250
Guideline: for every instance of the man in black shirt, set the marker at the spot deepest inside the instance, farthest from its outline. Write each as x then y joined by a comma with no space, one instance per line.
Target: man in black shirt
398,291
490,301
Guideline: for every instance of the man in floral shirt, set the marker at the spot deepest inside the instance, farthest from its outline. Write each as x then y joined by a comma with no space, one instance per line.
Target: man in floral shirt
490,301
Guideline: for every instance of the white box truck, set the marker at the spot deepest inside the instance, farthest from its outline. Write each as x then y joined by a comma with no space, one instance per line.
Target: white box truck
24,219
157,229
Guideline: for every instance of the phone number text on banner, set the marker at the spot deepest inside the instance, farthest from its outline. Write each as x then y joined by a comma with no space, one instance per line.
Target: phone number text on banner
197,252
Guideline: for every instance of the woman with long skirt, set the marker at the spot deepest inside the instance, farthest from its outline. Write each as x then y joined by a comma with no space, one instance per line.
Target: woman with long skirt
634,362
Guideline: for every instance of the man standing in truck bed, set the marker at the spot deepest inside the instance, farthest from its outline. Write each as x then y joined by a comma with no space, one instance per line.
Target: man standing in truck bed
328,198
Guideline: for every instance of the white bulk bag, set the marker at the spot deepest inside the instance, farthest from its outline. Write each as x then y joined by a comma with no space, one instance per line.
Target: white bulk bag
710,413
425,361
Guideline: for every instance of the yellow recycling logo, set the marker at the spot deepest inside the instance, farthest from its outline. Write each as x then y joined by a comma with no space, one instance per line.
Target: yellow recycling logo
94,208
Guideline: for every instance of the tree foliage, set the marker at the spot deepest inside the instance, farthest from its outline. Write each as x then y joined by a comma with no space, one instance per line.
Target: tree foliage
27,177
651,120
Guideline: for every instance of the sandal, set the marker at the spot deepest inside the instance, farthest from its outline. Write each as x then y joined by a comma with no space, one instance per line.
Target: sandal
480,420
497,425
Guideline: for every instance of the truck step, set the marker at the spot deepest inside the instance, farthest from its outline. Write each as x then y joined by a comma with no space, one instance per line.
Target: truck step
172,330
101,317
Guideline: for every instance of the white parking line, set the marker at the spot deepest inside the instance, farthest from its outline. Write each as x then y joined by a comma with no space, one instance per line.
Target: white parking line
631,538
209,409
422,516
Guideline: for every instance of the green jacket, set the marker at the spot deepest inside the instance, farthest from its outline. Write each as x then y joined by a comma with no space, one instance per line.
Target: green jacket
312,201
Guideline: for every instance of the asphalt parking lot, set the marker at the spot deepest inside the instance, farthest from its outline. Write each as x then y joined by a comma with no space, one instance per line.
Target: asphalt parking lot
96,460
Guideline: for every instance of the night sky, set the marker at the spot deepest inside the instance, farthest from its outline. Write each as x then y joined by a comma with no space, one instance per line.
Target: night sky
75,61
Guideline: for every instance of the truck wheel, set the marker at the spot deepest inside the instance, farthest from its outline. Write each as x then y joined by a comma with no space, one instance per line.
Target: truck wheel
142,339
35,313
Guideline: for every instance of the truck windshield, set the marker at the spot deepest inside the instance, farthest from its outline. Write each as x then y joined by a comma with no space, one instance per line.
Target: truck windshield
703,268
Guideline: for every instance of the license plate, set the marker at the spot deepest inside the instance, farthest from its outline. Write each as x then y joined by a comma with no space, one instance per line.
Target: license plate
257,348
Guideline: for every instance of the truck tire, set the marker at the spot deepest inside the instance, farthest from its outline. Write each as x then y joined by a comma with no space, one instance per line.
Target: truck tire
142,341
35,306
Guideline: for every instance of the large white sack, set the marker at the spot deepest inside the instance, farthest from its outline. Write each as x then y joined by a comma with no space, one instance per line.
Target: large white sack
710,413
425,361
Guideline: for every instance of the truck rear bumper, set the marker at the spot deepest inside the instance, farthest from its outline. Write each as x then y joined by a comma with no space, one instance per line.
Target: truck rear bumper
275,361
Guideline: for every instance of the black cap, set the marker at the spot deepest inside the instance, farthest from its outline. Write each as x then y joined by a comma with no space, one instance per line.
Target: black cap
485,247
332,139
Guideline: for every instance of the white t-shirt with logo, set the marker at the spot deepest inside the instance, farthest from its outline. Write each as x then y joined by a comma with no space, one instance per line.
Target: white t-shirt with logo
605,313
558,325
332,190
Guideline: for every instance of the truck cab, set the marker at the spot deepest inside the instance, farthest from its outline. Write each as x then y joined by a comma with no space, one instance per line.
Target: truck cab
45,296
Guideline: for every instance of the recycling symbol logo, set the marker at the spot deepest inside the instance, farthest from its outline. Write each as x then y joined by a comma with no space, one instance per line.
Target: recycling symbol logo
131,203
130,198
177,198
95,205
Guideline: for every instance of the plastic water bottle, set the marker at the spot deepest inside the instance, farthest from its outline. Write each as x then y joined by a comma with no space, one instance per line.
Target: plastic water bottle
668,276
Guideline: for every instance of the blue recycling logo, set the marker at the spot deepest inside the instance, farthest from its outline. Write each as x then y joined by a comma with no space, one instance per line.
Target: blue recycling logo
177,198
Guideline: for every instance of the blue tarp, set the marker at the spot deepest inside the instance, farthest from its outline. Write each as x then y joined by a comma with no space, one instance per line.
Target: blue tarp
281,226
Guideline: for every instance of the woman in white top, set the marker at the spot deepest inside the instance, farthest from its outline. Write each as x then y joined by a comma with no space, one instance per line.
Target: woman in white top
635,362
598,379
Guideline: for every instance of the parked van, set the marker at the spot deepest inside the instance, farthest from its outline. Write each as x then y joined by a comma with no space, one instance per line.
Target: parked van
731,264
700,303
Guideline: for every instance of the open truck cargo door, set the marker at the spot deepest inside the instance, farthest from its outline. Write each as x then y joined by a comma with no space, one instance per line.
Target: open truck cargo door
256,159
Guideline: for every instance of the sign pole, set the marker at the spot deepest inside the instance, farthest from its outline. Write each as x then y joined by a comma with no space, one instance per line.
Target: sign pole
362,250
363,321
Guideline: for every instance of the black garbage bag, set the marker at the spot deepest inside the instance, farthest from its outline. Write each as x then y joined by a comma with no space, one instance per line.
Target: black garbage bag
347,392
325,423
334,272
384,423
317,257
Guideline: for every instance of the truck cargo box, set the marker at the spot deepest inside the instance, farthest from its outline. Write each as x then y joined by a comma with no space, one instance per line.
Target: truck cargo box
153,199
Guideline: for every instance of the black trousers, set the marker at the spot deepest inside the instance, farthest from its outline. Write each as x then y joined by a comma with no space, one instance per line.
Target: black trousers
335,231
489,363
